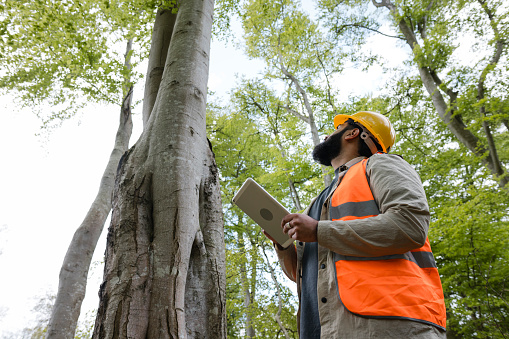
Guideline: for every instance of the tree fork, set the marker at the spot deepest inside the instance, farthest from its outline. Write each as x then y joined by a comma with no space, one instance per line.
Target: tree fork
161,37
165,263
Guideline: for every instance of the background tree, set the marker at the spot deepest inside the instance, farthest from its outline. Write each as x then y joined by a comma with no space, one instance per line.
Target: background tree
469,228
254,136
52,55
466,98
297,52
448,106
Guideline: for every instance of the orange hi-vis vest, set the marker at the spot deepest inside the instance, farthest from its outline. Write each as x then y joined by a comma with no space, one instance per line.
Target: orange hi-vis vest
400,286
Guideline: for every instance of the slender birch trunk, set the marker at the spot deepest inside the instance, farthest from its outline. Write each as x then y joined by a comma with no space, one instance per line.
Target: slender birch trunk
164,273
309,119
277,316
246,287
74,271
446,111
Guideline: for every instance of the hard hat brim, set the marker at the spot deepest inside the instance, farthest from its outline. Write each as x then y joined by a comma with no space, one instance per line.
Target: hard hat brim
342,118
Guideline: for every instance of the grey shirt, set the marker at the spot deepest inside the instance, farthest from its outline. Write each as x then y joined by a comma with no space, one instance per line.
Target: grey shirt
401,226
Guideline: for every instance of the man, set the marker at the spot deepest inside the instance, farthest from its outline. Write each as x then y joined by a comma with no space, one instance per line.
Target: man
362,261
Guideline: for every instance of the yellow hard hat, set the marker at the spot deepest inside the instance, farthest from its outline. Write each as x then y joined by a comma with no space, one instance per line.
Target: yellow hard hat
377,124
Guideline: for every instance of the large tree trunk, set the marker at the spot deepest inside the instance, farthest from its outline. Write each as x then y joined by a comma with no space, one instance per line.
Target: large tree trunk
164,273
74,271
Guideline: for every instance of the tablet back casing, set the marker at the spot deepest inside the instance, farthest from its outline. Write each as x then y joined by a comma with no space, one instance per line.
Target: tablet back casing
263,209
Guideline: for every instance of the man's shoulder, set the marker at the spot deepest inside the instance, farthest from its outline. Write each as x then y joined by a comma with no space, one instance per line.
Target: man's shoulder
386,159
389,163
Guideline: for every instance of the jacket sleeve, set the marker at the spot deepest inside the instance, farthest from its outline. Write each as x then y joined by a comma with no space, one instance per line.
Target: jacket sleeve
402,224
288,260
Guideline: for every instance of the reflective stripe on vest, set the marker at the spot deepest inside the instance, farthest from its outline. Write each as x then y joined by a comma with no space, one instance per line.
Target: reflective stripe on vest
400,286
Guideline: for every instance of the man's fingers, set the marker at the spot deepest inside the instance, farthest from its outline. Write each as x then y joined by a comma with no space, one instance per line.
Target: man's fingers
285,220
292,233
288,218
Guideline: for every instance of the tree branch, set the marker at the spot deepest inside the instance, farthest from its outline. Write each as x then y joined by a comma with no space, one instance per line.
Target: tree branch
500,43
297,114
329,96
453,122
342,27
384,3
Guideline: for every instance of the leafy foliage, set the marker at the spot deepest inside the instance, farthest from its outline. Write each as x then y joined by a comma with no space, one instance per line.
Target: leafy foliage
67,53
469,228
243,149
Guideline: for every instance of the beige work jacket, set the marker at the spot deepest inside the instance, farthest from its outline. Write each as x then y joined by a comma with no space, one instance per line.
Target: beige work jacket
401,226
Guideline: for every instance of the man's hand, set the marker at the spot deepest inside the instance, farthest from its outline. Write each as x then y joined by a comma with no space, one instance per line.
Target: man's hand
300,227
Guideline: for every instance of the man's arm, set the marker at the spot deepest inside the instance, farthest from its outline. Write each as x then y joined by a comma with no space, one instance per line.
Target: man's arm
402,224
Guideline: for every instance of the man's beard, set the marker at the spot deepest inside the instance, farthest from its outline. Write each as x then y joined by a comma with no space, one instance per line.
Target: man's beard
328,149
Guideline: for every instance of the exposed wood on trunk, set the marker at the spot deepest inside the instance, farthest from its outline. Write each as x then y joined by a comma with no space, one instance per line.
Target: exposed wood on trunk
74,271
165,263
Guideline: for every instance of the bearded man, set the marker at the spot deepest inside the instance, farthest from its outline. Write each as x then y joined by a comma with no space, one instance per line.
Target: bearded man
361,258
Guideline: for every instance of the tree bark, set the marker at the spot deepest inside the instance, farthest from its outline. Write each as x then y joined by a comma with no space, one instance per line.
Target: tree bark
161,37
499,49
164,273
453,122
246,288
74,271
310,119
277,316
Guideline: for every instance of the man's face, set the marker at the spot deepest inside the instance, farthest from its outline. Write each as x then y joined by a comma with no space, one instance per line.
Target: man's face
330,148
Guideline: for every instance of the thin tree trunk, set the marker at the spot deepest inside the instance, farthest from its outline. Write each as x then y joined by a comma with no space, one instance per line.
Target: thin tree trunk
310,119
74,271
499,49
250,332
277,316
453,122
164,273
293,190
161,37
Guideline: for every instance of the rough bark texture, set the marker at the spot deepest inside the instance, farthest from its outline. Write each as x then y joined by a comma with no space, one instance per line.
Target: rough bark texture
74,271
164,273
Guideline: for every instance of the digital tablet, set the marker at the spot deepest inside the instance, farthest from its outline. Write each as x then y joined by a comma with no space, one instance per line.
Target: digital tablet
263,209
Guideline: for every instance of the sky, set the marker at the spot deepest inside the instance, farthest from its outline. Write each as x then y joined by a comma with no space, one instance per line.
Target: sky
49,183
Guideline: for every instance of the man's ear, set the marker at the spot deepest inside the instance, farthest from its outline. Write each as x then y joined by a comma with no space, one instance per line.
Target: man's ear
352,134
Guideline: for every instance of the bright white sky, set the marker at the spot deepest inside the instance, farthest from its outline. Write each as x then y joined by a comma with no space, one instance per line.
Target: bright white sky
47,188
